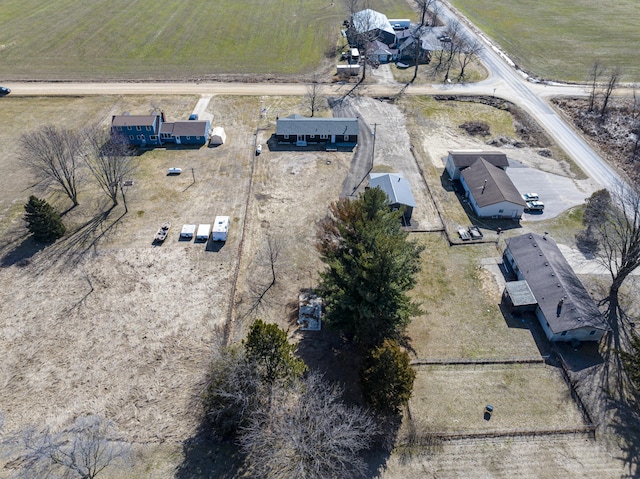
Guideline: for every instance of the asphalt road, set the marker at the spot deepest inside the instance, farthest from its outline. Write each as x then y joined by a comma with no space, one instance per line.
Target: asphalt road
504,82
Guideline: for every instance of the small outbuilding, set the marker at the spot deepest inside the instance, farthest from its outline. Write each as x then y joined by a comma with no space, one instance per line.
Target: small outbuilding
217,137
398,190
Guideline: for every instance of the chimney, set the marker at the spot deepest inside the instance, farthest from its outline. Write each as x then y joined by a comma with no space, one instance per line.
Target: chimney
559,308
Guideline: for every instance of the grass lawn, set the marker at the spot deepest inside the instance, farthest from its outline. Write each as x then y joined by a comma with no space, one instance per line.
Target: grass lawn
188,39
461,299
453,400
561,40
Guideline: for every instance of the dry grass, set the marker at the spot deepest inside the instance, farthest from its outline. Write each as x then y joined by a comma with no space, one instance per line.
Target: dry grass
461,302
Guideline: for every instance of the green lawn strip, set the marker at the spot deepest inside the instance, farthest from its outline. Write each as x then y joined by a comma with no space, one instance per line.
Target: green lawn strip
561,40
460,299
524,398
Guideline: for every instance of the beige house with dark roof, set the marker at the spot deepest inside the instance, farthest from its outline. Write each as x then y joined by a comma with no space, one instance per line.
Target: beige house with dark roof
490,192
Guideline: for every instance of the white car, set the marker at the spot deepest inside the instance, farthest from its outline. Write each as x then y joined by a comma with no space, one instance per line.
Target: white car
258,149
535,206
174,171
530,197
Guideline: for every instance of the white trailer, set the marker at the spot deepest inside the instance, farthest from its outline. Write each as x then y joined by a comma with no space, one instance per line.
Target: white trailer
203,232
187,231
220,228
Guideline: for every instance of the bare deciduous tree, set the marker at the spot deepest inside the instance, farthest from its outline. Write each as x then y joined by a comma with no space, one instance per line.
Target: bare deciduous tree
110,161
352,6
83,450
468,52
595,73
618,233
266,272
314,97
231,393
54,154
307,432
612,83
425,6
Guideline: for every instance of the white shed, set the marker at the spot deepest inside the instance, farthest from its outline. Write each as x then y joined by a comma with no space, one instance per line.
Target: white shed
220,228
218,136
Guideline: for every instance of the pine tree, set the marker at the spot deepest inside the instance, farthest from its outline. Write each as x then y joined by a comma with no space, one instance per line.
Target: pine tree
387,378
269,351
43,221
372,266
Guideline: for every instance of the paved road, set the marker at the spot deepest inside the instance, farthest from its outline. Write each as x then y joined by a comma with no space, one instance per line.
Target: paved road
504,81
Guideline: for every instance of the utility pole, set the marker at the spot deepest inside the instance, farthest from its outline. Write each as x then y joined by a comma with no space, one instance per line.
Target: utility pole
373,150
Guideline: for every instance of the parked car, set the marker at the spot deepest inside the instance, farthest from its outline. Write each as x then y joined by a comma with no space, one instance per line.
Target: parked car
445,39
174,171
530,197
4,90
258,149
193,116
534,206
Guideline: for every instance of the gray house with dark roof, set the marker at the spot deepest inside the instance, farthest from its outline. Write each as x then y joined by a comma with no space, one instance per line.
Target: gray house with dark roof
300,130
154,130
458,160
490,192
398,190
564,308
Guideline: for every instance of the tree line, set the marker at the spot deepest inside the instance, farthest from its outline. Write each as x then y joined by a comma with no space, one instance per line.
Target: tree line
290,421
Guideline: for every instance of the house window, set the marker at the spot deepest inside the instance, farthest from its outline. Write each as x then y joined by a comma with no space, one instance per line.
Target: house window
131,137
500,211
188,137
198,138
564,333
324,137
138,128
592,332
153,137
346,137
286,137
312,136
148,128
118,128
140,137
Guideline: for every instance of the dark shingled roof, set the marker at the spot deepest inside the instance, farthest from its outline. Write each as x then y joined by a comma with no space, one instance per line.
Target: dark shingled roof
463,159
490,185
133,120
551,279
185,128
302,125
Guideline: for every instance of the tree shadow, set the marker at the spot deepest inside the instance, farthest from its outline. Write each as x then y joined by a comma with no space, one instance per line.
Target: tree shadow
20,252
207,456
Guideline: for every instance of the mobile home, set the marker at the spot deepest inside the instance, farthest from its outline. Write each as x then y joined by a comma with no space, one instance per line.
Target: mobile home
220,228
203,232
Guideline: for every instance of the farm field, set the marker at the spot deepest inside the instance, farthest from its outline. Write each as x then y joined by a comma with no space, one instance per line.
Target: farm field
561,40
193,39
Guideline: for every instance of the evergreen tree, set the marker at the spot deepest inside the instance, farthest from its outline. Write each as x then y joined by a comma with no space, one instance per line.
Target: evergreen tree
387,378
43,221
269,351
372,265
